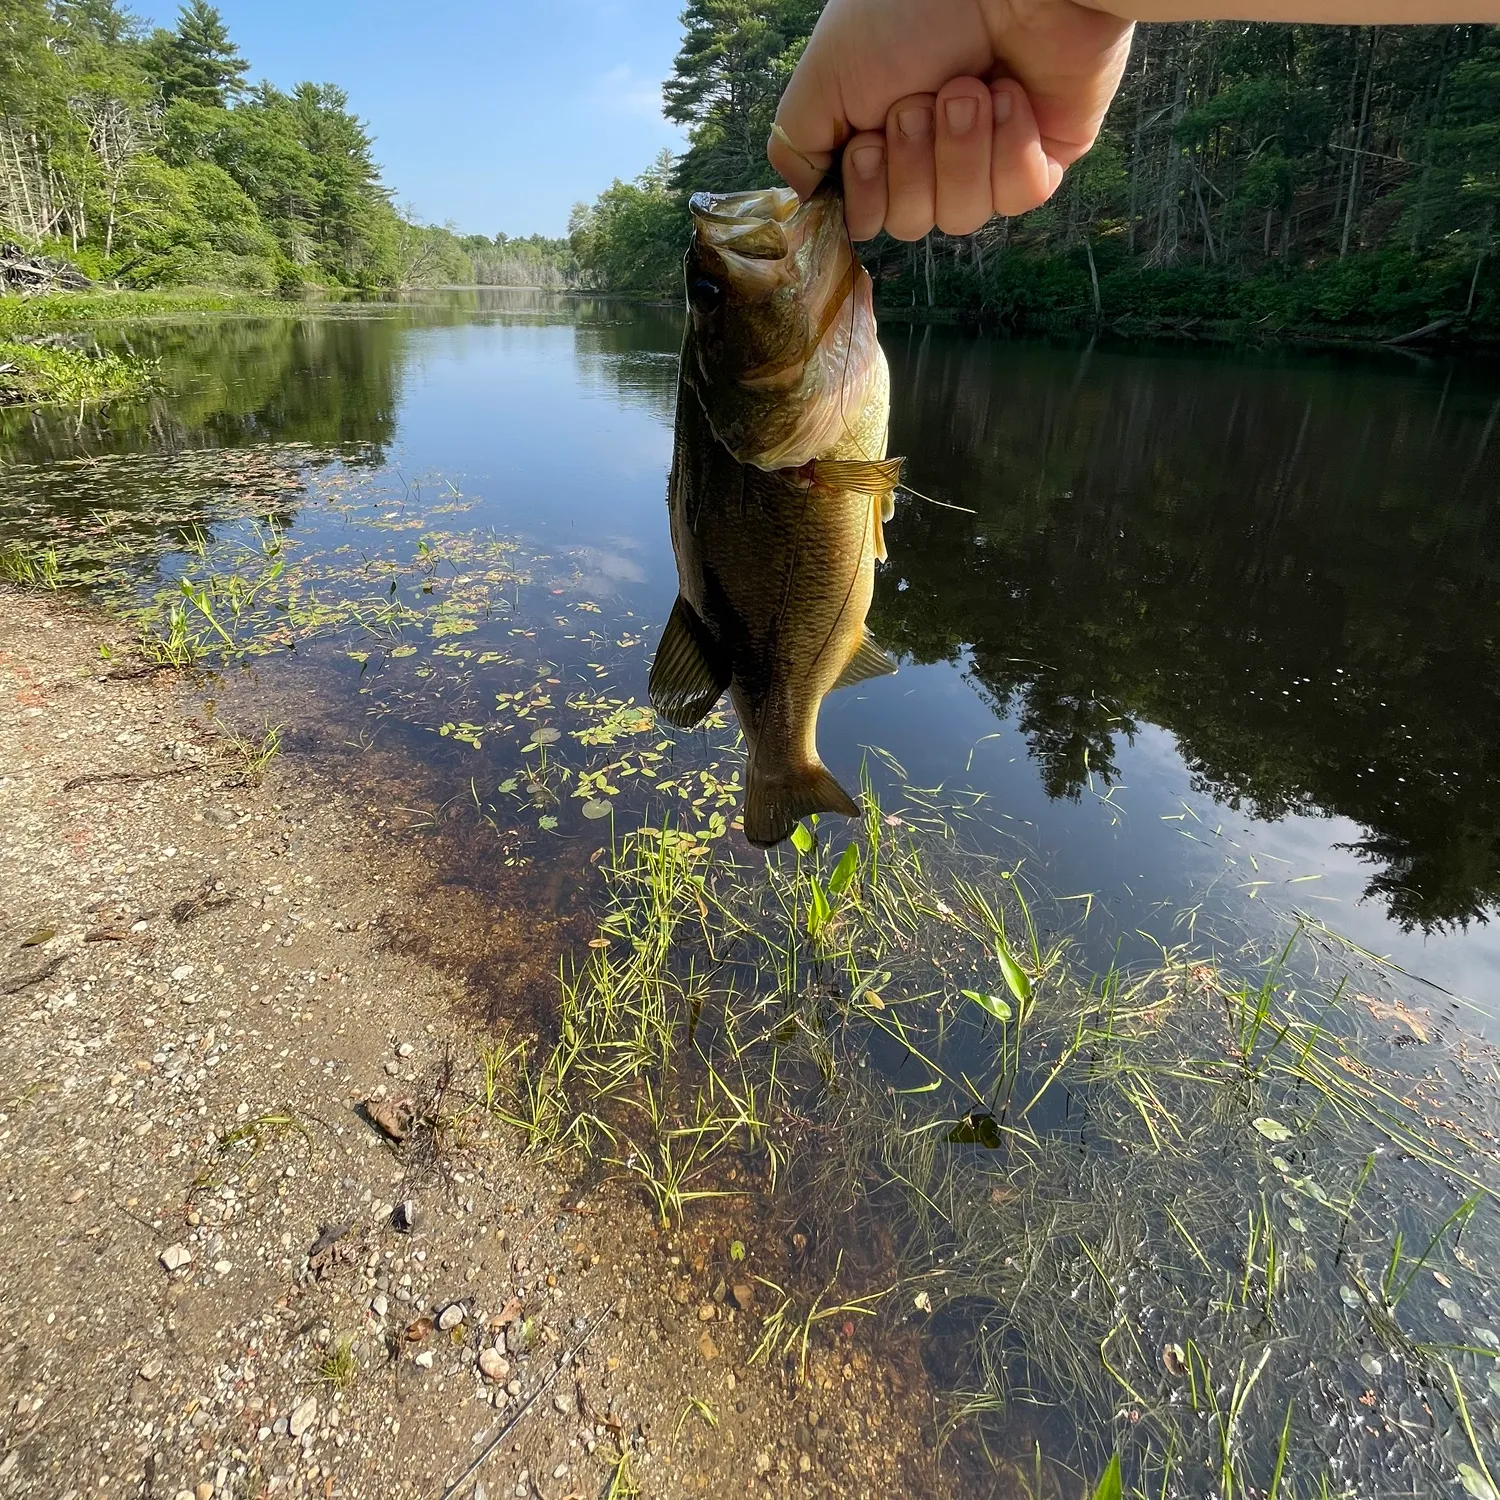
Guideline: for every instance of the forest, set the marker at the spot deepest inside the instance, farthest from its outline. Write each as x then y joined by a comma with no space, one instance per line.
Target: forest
1283,176
145,159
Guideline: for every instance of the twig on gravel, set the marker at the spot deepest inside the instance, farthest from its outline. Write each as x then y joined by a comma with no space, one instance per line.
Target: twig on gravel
506,1428
202,900
36,976
98,778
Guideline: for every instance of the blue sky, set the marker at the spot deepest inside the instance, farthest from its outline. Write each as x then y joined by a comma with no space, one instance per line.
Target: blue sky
496,115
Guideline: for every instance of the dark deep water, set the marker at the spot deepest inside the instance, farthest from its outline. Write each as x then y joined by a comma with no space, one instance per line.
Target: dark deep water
1222,636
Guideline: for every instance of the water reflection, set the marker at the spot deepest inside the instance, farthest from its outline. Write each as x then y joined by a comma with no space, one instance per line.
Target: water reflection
1292,565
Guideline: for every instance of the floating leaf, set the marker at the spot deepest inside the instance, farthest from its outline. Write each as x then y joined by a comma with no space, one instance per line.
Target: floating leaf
1450,1309
1281,1164
736,1250
1296,1223
596,807
1475,1483
1488,1337
1350,1297
802,840
978,1128
546,737
1369,1364
1015,976
404,651
844,871
508,785
993,1004
1273,1130
546,821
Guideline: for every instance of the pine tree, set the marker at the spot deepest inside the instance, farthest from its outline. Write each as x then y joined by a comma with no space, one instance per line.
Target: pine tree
197,62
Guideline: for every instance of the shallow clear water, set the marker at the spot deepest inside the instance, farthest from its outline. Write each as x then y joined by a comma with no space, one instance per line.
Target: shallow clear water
1212,640
1221,636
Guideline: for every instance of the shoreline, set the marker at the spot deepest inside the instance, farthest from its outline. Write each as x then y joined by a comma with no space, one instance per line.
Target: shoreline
217,982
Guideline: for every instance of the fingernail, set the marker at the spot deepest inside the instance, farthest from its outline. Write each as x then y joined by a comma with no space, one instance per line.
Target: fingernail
961,112
915,124
1005,104
867,161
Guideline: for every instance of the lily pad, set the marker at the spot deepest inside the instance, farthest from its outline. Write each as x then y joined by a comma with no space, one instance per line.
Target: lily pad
404,651
1487,1337
1369,1364
596,807
546,736
1349,1297
979,1128
547,821
1450,1309
1273,1130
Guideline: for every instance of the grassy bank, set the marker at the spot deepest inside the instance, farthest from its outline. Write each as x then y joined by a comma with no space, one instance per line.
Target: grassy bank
37,370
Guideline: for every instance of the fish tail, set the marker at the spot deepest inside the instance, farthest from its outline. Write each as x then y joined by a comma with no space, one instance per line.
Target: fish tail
774,803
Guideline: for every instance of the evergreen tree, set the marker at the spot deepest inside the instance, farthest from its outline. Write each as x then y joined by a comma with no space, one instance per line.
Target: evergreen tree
198,61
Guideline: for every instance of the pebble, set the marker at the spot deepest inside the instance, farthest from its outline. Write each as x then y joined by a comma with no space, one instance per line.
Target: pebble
303,1415
563,1401
151,1369
379,1304
176,1257
762,1463
392,1068
493,1365
405,1050
451,1316
424,1359
205,1491
223,1267
707,1313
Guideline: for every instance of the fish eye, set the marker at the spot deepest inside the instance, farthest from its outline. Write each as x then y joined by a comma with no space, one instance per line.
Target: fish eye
705,294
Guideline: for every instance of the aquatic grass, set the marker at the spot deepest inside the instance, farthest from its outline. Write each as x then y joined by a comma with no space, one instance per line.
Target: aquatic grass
1181,1156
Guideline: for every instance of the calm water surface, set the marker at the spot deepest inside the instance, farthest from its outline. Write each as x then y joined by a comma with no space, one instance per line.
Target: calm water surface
1221,636
1207,638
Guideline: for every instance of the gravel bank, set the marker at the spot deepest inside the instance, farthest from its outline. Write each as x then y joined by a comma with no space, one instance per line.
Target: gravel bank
223,1278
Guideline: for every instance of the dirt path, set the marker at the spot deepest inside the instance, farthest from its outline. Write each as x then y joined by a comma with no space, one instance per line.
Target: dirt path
211,1284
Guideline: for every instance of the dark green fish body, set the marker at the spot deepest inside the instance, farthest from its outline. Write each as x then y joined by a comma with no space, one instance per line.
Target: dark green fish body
777,530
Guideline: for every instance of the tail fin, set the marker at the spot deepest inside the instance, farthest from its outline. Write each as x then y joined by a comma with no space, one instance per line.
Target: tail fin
773,804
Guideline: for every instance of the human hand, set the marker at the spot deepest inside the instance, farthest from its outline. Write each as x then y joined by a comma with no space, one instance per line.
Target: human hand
948,111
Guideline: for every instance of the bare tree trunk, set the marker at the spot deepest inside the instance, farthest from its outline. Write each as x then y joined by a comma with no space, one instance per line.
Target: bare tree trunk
1356,172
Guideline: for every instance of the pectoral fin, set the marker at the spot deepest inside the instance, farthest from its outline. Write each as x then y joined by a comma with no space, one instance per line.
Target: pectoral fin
774,804
867,662
864,476
687,678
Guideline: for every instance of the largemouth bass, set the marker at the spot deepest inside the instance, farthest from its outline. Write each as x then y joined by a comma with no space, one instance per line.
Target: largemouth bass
779,490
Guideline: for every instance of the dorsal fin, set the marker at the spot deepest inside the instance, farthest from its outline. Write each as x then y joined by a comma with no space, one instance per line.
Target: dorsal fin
869,661
875,476
687,678
773,804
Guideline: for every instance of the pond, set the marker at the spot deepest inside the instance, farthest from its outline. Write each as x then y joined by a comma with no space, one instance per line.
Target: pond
1197,648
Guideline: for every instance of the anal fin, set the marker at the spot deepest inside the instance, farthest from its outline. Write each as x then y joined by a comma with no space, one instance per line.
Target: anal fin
867,662
686,678
773,805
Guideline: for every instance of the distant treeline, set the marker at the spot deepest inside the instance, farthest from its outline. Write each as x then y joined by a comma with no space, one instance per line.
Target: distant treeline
1286,176
144,159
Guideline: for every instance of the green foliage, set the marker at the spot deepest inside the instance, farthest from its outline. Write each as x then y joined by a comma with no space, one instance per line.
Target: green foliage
633,236
1288,177
147,161
44,373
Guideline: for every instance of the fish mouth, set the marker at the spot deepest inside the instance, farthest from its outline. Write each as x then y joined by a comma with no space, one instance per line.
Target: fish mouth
748,226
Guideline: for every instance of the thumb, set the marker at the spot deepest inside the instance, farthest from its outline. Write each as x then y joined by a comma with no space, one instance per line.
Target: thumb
801,170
